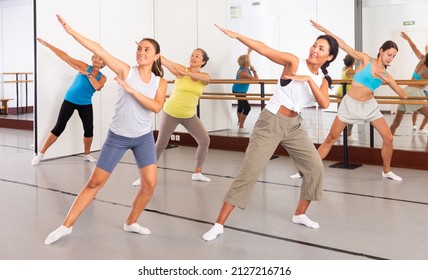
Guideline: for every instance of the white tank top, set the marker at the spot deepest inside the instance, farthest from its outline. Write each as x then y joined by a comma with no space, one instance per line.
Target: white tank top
131,119
296,95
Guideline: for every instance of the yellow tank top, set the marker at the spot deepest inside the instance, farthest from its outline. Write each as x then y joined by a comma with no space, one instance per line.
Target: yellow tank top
184,98
340,88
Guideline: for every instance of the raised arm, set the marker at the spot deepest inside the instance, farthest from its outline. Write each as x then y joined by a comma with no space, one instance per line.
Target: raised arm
276,56
417,52
120,68
179,71
364,58
76,64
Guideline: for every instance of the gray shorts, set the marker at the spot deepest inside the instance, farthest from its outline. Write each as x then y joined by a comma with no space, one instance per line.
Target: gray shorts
412,92
115,147
352,111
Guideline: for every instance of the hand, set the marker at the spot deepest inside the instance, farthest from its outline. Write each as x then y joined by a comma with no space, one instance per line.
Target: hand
300,78
319,26
41,41
249,51
229,33
64,24
404,35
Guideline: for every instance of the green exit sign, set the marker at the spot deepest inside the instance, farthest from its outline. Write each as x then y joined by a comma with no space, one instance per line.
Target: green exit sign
412,22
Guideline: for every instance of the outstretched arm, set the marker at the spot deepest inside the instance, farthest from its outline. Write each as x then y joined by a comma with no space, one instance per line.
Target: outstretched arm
76,64
276,56
120,68
179,71
417,52
352,52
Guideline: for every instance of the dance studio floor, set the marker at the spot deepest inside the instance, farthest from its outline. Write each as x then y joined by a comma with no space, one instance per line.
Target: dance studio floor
362,215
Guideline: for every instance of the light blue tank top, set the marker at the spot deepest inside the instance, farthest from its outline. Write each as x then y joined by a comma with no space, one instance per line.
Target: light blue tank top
81,90
366,78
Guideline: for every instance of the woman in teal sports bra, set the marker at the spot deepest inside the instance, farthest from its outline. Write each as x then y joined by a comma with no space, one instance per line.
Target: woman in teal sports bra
420,73
359,105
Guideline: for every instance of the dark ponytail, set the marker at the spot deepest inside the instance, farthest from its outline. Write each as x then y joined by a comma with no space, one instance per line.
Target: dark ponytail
334,50
157,65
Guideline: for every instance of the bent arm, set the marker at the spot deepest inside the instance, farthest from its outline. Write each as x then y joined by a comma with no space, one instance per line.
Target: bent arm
154,105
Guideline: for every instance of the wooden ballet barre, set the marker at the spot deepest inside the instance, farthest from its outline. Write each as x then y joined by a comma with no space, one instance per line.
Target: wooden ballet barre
19,73
18,81
233,93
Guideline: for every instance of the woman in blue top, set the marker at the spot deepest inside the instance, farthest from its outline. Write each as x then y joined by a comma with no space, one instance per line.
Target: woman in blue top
78,97
359,105
420,73
140,94
246,71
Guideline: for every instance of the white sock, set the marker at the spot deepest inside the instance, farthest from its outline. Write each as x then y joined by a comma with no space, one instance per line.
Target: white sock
212,234
36,160
136,183
89,158
200,177
136,228
296,176
57,234
391,175
304,220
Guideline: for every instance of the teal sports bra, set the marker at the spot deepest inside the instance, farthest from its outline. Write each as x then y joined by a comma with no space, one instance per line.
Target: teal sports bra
366,78
417,76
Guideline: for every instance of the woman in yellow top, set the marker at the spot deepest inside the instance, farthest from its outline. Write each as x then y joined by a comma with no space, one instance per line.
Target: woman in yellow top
180,108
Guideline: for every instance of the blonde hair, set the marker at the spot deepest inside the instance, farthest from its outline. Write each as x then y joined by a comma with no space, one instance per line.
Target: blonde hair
243,60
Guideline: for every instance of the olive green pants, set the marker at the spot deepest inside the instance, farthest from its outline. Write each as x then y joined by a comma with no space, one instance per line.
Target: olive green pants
270,131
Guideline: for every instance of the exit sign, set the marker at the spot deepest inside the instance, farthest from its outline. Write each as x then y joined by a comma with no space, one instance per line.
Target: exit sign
409,22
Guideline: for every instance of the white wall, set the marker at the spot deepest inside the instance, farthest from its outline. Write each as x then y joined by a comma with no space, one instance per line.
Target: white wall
16,51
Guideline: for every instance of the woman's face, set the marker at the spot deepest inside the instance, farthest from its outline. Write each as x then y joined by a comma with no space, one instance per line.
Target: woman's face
387,56
319,53
146,53
197,58
97,61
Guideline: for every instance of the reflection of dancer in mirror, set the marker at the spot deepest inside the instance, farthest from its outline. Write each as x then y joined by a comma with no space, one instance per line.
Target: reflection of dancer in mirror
348,73
180,108
141,92
359,105
78,97
246,71
300,86
420,73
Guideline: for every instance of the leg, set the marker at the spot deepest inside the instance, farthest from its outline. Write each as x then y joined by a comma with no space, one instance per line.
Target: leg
263,142
424,112
387,147
335,130
308,162
199,133
148,183
414,119
64,115
218,227
167,126
98,178
397,121
86,115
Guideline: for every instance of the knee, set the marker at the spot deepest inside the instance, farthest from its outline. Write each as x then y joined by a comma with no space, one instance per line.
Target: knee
148,187
93,184
204,141
388,139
